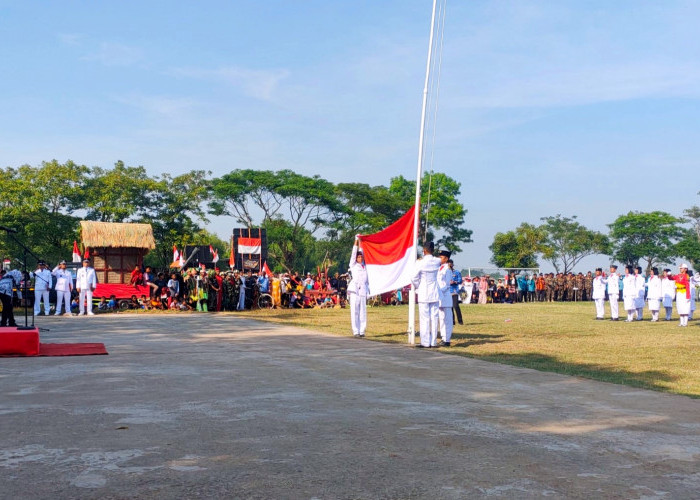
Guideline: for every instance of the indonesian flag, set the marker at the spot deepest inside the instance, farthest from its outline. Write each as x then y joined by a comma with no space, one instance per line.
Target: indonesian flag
249,246
76,252
266,269
390,255
214,254
176,254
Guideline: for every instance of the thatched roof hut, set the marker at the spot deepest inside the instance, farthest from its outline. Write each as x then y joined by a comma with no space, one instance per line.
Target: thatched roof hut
116,235
116,248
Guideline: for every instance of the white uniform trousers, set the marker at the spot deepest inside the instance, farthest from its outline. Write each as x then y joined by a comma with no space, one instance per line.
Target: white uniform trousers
85,293
446,323
599,308
38,296
61,298
428,312
614,306
358,313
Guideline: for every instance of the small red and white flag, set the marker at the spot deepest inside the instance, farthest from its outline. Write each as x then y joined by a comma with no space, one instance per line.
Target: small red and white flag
266,269
76,252
250,246
176,254
87,253
390,255
214,254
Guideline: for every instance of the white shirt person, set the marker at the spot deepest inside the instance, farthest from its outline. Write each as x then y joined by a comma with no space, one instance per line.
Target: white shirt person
64,287
425,282
85,283
358,291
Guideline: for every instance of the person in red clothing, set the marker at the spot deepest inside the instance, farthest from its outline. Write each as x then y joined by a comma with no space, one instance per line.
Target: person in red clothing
219,288
136,277
682,294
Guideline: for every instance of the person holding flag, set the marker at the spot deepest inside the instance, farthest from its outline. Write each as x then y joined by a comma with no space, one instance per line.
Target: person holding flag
425,282
358,291
444,278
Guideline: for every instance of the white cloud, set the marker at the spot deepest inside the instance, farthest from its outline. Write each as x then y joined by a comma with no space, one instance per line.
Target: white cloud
260,84
71,39
116,54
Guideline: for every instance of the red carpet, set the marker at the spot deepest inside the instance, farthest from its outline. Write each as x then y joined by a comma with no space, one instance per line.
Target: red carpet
83,349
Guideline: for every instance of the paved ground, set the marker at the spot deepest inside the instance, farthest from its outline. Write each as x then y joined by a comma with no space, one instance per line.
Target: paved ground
215,406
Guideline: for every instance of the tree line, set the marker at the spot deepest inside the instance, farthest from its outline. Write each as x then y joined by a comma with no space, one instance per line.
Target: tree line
648,238
309,220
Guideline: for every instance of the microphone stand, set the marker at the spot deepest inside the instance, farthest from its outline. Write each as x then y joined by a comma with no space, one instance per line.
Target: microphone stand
25,291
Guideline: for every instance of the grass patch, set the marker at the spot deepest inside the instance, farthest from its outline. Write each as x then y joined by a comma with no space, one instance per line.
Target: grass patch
558,337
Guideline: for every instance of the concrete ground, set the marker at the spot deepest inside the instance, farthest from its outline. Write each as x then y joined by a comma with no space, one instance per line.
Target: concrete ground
215,406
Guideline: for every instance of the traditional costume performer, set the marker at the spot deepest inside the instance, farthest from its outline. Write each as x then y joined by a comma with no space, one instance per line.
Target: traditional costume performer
358,291
682,294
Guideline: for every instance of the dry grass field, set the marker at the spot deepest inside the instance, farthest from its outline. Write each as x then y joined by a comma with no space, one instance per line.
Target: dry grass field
558,337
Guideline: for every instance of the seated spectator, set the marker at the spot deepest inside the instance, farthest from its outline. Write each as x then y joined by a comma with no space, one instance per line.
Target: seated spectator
135,303
174,304
103,305
74,305
144,302
112,304
294,302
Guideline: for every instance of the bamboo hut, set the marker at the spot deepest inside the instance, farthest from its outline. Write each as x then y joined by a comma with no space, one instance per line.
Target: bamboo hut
116,247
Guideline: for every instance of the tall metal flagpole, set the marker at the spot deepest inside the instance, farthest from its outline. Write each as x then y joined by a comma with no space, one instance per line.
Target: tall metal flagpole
419,175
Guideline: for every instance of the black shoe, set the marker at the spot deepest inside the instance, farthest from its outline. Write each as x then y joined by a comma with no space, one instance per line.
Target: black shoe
614,319
421,346
599,319
460,323
445,344
362,335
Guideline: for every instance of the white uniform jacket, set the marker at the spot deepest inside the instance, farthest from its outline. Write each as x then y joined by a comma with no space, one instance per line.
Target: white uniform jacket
42,280
64,279
444,277
359,283
668,291
425,279
640,284
85,278
654,288
598,287
613,282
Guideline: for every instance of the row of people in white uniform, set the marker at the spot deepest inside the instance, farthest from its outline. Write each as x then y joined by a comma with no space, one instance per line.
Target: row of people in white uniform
657,290
85,284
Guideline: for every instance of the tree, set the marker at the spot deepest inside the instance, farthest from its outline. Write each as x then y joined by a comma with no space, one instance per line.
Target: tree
567,242
445,215
122,194
518,248
689,245
648,236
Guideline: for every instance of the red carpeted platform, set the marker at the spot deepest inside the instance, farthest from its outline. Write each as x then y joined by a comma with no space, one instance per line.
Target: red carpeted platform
19,342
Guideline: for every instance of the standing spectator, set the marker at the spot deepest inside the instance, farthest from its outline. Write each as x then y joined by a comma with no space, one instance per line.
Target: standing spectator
588,286
85,283
202,295
540,287
531,287
483,289
64,287
455,284
242,285
174,285
522,288
8,281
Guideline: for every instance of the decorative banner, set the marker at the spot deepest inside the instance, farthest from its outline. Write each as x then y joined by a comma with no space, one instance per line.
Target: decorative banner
251,264
249,246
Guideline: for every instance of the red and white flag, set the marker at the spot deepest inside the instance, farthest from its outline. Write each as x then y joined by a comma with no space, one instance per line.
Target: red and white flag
390,255
250,246
176,254
214,254
87,253
266,269
76,252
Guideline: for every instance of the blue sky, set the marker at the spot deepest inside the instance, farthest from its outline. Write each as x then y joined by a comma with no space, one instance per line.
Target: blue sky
580,108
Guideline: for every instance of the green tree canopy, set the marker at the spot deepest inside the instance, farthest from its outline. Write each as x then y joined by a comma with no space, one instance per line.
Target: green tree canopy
567,242
647,236
518,248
